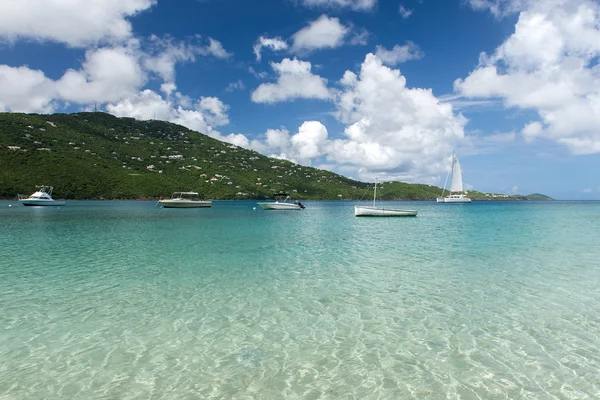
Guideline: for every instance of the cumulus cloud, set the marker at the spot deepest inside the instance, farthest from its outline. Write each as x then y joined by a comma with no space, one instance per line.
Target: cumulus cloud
309,143
203,115
549,65
275,44
295,80
404,133
77,23
107,74
391,131
25,90
405,12
322,33
356,5
167,55
399,54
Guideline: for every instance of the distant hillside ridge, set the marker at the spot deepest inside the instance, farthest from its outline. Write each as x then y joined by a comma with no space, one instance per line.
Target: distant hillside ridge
100,156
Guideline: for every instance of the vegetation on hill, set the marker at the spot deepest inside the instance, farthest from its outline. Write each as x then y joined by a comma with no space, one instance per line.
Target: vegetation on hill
100,156
537,196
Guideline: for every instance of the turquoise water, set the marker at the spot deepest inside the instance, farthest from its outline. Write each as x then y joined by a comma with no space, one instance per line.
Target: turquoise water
123,300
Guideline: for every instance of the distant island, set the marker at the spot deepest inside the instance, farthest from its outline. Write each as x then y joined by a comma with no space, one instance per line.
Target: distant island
100,156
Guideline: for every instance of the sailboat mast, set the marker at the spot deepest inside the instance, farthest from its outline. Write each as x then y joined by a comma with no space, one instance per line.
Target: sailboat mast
375,193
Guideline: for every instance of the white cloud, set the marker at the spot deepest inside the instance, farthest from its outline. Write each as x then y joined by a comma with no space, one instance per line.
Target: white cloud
399,54
203,116
357,5
25,90
405,12
588,190
360,37
532,130
214,110
275,44
295,80
237,85
499,8
459,102
392,132
257,74
214,48
549,65
405,133
165,54
308,143
322,33
107,74
77,23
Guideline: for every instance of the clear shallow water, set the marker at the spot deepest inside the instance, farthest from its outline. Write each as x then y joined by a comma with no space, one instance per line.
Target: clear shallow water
125,300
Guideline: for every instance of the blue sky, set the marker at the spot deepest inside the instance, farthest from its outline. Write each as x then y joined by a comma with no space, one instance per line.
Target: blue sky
366,88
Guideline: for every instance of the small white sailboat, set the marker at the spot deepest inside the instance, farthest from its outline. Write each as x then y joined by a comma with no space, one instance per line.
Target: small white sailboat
456,187
42,197
374,211
184,200
281,203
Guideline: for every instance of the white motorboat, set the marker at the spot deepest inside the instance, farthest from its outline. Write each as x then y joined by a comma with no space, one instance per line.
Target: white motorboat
456,187
184,200
374,211
282,203
42,197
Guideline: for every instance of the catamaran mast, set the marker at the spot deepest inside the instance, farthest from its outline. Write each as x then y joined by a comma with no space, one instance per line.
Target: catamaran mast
452,169
448,175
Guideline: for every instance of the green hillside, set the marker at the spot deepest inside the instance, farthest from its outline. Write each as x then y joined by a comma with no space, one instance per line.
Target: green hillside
537,196
97,155
100,156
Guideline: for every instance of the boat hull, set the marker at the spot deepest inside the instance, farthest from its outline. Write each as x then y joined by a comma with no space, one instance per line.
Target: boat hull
168,203
382,212
279,206
453,200
37,203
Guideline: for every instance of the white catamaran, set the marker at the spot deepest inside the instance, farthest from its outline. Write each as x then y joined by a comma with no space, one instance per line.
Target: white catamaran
456,187
374,211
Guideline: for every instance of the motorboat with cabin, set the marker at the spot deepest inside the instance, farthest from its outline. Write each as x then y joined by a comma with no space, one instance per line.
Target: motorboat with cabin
184,200
41,197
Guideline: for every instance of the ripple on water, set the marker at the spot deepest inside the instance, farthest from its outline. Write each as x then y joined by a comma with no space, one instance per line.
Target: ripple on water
134,302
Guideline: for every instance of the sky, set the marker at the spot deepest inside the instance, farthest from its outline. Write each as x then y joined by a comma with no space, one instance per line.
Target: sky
384,89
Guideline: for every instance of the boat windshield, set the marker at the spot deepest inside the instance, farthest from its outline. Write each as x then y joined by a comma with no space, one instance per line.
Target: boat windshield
281,197
186,195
